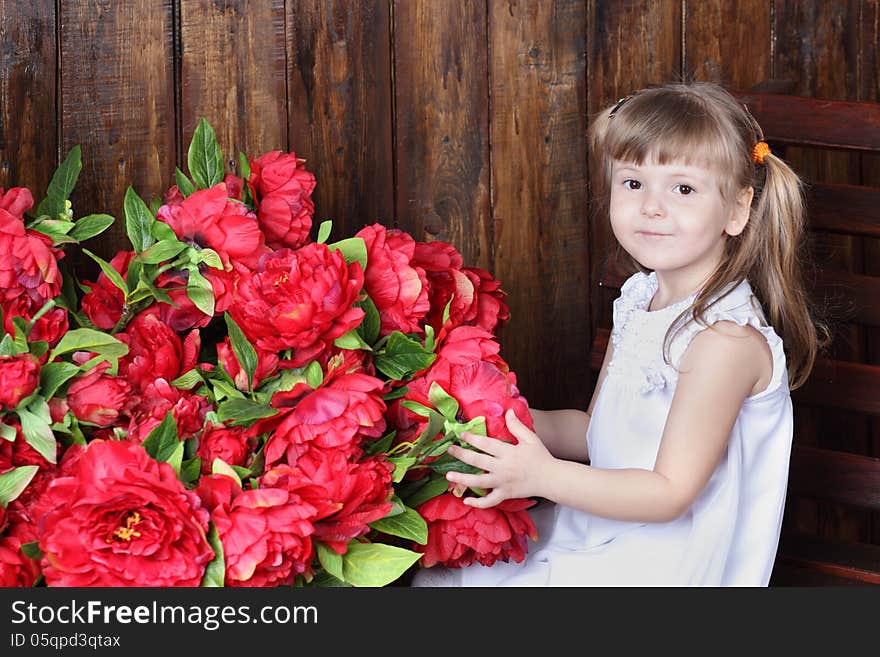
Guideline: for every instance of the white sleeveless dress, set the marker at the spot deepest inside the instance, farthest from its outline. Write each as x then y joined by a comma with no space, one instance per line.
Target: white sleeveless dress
730,534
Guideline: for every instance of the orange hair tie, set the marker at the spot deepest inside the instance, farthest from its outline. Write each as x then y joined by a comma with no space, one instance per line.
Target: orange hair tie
760,151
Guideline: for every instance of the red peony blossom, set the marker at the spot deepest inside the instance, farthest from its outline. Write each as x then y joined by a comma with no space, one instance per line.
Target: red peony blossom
300,300
182,314
265,532
345,410
282,189
154,402
119,518
208,219
155,350
15,568
99,398
103,303
399,290
230,444
459,535
347,495
28,262
19,377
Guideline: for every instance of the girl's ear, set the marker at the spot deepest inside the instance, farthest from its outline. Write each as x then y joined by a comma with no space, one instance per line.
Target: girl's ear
739,216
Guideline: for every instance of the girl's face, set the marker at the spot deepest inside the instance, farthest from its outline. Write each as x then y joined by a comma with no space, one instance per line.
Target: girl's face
672,218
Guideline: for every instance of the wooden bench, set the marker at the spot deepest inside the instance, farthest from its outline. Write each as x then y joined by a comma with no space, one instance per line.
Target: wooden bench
828,475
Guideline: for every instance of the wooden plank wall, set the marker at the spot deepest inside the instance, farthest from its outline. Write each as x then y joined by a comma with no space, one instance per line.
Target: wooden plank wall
452,119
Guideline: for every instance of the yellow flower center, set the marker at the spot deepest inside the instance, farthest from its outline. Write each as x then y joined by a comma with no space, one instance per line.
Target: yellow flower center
127,532
282,279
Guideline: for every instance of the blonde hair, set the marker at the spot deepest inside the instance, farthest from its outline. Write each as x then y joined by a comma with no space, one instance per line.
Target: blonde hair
702,124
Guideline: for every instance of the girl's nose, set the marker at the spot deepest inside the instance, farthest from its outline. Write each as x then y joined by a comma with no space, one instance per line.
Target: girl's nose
651,205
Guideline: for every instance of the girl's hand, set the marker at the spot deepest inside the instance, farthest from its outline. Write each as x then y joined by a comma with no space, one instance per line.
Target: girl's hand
511,471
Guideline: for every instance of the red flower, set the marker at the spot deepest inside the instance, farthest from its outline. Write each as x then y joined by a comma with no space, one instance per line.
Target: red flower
207,218
459,535
477,299
19,377
119,518
345,410
98,398
399,290
265,532
282,189
28,262
182,314
103,303
347,495
299,300
227,443
154,402
155,350
15,568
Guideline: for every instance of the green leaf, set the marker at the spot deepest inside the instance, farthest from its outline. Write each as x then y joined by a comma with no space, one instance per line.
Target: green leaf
54,375
85,339
161,251
190,470
32,550
184,184
353,249
375,564
90,226
14,481
200,292
372,323
408,524
443,401
243,411
424,490
8,432
324,231
61,185
138,221
56,230
162,231
242,348
401,465
314,375
215,573
352,341
244,168
163,440
36,426
114,276
205,157
330,559
176,458
210,257
221,467
402,357
188,380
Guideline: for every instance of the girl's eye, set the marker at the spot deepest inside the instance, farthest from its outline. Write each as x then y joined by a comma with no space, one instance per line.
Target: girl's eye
629,183
684,190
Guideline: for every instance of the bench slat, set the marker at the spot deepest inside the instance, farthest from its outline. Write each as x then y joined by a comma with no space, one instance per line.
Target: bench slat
834,476
846,209
856,562
815,121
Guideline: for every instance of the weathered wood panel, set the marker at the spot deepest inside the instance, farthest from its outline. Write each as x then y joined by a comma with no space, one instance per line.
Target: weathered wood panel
539,194
728,42
232,73
817,48
28,136
442,124
630,45
117,102
339,95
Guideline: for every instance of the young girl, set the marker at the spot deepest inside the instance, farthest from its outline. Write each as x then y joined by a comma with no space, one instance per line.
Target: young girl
689,430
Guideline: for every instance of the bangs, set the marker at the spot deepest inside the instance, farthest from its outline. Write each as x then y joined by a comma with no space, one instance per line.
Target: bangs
649,128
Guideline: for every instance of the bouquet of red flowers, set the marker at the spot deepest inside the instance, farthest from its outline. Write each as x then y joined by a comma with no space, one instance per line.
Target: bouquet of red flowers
232,402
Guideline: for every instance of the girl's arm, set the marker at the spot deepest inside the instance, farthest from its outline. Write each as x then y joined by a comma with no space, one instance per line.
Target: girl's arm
718,371
564,431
